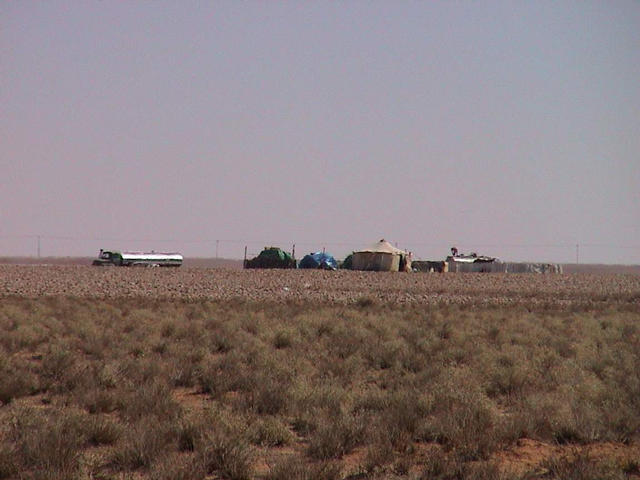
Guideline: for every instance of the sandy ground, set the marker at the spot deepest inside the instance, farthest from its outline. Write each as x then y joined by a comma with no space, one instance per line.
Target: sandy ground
313,285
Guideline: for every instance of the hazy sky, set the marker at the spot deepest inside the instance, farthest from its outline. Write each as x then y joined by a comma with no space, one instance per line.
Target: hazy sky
509,128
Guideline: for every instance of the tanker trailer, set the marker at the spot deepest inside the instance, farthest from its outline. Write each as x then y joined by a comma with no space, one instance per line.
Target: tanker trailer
137,259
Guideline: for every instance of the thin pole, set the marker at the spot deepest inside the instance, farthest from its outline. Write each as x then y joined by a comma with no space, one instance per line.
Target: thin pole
577,253
217,242
38,246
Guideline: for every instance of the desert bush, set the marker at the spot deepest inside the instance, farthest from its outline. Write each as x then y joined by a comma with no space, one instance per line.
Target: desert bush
270,395
58,367
462,419
384,354
283,338
184,366
366,302
294,468
190,432
227,455
336,436
439,466
102,430
226,374
405,414
324,395
9,461
580,466
48,443
402,466
168,328
150,398
509,376
378,455
177,467
142,444
488,368
99,400
16,380
270,432
630,466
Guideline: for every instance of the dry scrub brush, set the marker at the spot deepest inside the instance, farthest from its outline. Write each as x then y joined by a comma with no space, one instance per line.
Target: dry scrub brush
88,387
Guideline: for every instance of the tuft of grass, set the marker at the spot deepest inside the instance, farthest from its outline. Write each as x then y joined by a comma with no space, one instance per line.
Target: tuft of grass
366,302
270,432
16,380
294,468
102,430
47,443
579,466
177,467
146,441
150,398
378,455
336,436
226,455
463,421
9,461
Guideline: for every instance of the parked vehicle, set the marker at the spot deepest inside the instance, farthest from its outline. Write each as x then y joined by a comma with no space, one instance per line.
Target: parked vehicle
137,259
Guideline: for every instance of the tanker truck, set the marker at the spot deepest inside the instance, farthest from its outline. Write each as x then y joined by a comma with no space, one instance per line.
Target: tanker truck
137,259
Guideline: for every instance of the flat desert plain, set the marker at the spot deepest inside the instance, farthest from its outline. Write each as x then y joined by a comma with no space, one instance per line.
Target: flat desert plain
199,373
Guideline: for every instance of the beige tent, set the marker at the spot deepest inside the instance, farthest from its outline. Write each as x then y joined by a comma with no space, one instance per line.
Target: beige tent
382,256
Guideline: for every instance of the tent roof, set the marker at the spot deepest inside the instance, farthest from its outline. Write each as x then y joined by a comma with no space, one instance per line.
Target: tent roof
383,246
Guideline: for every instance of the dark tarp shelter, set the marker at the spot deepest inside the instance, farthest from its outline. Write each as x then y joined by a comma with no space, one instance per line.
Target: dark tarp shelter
319,260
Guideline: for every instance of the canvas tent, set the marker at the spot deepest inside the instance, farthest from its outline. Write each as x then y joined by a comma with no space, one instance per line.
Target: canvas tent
382,256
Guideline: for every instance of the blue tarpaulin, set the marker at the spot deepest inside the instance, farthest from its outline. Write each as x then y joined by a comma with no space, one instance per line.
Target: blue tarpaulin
319,260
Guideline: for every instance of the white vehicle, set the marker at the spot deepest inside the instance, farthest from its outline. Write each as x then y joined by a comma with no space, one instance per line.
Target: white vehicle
136,259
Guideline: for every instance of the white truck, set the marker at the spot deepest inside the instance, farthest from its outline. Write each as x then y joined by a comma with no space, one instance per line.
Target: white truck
137,259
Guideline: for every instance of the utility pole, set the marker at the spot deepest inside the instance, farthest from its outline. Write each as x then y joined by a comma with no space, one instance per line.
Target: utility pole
38,246
577,253
217,242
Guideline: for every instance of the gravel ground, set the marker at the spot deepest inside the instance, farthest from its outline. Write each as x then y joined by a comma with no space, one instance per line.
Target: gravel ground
311,285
